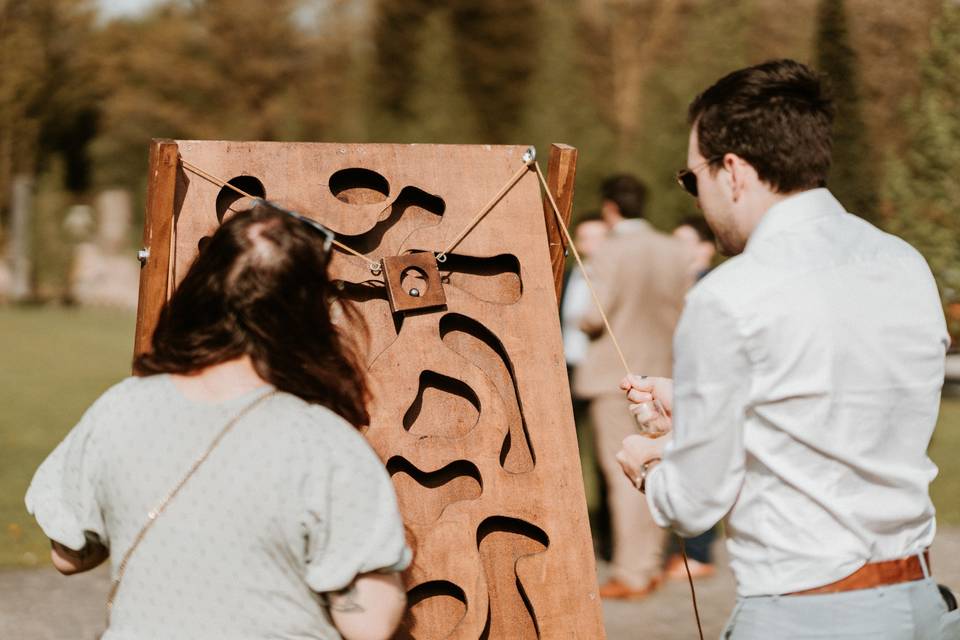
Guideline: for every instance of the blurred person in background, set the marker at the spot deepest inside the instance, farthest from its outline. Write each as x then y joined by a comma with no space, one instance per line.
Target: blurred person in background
640,276
228,482
697,235
589,234
701,244
808,371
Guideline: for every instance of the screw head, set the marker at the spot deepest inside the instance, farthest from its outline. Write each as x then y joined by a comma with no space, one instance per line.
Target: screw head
414,293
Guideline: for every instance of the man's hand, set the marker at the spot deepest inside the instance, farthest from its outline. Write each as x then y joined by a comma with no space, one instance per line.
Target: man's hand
639,450
651,403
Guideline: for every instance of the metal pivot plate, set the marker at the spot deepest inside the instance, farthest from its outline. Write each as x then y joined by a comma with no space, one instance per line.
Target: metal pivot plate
413,282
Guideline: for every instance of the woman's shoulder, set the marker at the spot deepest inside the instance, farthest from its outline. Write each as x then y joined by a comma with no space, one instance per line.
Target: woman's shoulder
319,428
133,390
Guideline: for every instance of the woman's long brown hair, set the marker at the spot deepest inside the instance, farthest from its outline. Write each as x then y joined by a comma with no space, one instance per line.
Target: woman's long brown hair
260,288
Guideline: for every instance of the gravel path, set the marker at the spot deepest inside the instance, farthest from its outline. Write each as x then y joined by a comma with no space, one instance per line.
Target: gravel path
40,604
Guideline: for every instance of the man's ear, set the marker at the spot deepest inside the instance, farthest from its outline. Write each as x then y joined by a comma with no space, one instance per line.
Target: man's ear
741,174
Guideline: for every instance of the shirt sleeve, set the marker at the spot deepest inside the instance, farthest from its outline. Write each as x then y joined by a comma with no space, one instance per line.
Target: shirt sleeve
352,518
703,467
63,495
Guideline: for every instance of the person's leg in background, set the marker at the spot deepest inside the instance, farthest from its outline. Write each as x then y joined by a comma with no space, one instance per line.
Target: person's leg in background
699,556
637,540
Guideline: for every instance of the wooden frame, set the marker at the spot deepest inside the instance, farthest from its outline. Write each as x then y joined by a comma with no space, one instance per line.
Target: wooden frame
471,411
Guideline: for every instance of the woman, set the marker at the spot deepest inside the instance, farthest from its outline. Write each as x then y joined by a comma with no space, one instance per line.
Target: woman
289,527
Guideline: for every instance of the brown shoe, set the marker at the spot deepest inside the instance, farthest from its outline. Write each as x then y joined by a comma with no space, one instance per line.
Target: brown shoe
614,589
676,571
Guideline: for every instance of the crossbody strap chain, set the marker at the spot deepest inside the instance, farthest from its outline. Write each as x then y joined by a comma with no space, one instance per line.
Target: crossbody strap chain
156,511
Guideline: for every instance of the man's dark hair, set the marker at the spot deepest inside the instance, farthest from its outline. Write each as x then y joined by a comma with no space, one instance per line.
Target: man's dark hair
259,288
698,224
776,116
627,192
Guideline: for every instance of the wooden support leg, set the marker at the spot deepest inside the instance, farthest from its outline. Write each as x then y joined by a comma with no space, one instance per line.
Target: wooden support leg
561,172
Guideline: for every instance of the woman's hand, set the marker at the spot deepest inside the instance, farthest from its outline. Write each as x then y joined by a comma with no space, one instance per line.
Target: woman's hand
68,562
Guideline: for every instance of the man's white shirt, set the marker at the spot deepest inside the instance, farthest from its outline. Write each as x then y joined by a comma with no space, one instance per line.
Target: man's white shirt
807,378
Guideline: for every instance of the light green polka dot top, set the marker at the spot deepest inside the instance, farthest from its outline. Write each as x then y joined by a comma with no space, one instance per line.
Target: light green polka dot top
292,503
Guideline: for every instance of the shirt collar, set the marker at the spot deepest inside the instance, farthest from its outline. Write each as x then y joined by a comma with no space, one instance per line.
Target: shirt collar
797,209
629,225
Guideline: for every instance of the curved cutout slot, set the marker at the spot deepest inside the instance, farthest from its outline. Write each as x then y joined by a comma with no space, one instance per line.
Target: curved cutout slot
480,346
424,495
359,186
413,209
434,609
502,541
227,198
495,279
452,407
361,291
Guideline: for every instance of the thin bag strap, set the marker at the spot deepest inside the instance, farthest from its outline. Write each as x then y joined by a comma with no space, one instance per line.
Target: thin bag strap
156,511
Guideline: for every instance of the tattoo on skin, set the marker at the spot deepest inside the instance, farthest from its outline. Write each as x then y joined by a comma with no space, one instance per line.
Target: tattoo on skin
345,601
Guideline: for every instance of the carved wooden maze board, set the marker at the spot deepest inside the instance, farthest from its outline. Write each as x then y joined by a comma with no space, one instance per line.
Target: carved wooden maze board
471,411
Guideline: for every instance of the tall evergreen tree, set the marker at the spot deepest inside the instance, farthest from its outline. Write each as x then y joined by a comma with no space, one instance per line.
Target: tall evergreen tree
853,175
924,187
496,44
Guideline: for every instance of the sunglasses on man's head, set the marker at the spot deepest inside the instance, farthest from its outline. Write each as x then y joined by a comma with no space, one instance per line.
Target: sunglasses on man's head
687,178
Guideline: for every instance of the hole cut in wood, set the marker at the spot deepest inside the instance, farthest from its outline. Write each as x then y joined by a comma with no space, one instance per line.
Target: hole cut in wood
495,279
229,202
434,609
359,186
444,407
424,495
413,209
480,346
502,541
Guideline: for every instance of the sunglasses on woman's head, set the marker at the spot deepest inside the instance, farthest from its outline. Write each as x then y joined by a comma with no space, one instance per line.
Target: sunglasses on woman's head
687,178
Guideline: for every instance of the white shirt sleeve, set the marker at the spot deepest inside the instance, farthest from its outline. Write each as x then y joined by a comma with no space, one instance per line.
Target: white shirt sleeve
703,468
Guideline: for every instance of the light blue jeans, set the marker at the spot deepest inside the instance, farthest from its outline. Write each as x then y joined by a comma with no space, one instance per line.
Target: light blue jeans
905,611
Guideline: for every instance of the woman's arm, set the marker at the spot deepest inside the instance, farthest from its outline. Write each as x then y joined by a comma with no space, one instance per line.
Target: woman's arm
370,608
67,561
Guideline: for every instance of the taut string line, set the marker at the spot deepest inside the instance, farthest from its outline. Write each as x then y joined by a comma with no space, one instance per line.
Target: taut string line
616,345
528,161
223,183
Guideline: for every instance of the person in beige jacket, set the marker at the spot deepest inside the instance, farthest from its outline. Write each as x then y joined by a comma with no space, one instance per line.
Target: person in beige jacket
641,277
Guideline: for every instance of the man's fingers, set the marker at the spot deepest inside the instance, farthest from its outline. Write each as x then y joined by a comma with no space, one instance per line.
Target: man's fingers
633,381
636,396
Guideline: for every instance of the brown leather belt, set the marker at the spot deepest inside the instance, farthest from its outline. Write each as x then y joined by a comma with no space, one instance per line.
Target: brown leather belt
874,574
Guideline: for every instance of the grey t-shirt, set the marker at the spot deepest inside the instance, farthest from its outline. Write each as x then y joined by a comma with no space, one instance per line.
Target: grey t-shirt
292,502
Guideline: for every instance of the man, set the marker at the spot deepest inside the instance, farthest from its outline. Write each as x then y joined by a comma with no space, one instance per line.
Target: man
640,276
696,234
701,245
588,235
808,375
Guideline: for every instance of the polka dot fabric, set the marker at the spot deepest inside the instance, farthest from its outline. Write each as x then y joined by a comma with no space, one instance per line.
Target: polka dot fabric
292,502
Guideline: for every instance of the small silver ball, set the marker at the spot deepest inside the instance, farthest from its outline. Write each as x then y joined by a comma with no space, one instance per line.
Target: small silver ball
415,293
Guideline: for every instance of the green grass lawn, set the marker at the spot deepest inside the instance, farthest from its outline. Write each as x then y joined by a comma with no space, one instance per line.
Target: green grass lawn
54,362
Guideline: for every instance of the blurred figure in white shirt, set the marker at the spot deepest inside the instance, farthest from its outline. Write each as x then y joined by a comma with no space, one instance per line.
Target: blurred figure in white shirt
588,235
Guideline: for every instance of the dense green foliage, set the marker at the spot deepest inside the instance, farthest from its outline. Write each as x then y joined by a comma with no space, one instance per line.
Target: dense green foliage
924,189
853,175
80,98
